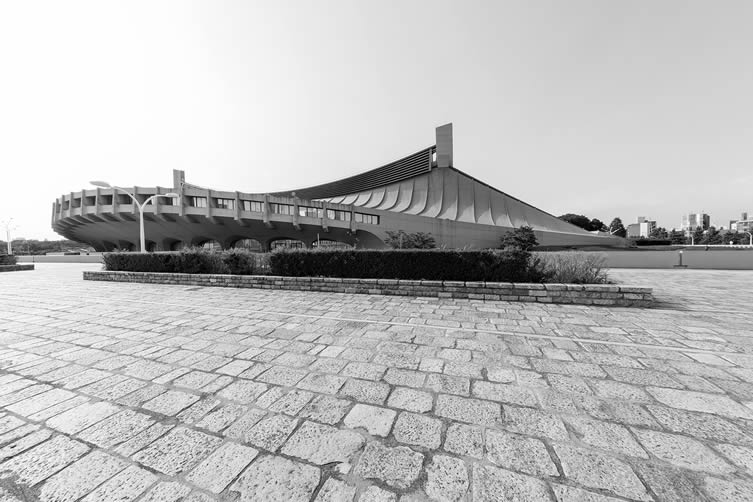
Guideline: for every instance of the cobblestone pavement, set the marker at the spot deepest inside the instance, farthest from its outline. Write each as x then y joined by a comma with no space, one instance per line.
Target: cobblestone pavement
112,391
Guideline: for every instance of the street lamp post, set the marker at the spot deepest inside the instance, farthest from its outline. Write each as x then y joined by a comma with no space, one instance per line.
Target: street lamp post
103,184
8,228
751,237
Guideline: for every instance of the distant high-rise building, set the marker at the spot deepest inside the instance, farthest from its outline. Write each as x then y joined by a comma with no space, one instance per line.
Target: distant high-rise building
643,228
744,224
694,220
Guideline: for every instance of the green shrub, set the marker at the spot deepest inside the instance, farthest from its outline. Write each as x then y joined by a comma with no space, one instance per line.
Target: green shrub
521,238
507,265
190,261
7,259
571,267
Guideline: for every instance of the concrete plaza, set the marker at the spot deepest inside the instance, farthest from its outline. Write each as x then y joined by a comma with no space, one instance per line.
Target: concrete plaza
117,391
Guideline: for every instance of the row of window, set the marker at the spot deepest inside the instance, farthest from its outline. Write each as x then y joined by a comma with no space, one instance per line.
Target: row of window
257,206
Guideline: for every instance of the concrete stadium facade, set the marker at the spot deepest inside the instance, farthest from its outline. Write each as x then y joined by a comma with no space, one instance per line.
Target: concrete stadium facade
422,192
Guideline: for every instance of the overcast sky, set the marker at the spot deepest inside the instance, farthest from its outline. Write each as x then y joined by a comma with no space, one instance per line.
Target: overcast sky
599,107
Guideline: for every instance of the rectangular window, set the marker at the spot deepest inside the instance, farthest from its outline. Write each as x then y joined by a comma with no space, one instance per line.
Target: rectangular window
197,201
369,219
310,212
253,205
105,200
225,203
334,214
281,208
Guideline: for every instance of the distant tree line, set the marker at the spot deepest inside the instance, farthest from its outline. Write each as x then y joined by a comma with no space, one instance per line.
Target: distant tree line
33,246
699,236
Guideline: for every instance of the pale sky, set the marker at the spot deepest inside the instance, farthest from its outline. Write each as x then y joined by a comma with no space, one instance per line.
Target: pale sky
602,108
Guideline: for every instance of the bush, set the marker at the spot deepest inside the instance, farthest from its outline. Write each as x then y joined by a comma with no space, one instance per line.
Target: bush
417,240
191,261
570,267
7,259
508,265
522,238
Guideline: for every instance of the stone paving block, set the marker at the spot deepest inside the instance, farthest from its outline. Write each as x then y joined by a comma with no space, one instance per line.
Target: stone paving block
143,439
322,383
534,423
178,451
472,411
240,428
377,421
243,391
335,490
365,371
198,410
465,440
701,425
519,453
739,455
269,433
217,471
619,390
292,402
642,377
721,490
491,484
366,391
670,485
446,479
282,375
410,399
399,467
322,444
607,436
699,401
81,417
9,422
40,402
81,477
418,430
171,402
22,439
276,478
596,470
141,395
682,451
167,491
504,393
376,494
220,418
571,494
407,378
44,460
326,409
124,486
116,429
448,384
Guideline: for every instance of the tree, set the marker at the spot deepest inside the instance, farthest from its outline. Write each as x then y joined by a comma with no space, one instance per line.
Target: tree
677,237
402,240
697,235
713,236
576,219
659,233
617,228
521,238
597,225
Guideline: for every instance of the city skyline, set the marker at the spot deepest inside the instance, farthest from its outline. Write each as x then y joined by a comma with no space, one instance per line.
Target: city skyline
603,109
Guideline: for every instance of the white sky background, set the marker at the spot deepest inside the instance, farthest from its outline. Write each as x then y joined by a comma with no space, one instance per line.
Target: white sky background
599,107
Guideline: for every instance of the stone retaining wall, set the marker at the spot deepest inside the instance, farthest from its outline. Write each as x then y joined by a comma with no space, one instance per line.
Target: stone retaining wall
596,294
15,268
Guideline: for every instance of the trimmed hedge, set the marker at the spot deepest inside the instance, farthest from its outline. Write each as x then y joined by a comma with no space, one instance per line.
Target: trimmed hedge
508,265
192,261
7,259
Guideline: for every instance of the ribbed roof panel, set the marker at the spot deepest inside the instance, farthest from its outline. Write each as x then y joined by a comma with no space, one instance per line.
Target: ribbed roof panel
394,172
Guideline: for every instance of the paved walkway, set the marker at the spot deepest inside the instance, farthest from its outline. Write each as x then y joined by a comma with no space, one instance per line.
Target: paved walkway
131,391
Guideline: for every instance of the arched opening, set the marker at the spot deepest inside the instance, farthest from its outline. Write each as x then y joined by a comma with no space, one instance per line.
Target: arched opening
330,244
177,246
286,244
151,246
248,244
211,246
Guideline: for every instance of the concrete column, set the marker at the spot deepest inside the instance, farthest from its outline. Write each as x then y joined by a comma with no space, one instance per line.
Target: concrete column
444,145
237,206
97,201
